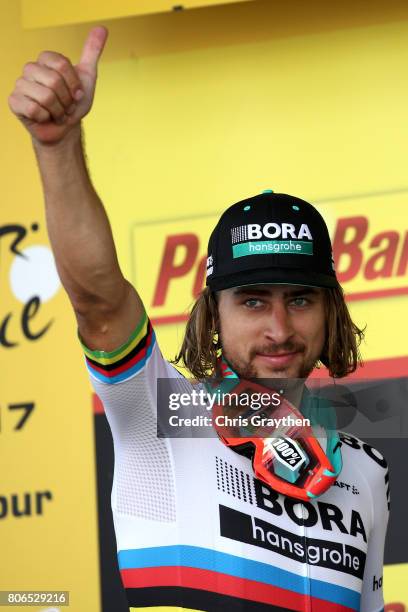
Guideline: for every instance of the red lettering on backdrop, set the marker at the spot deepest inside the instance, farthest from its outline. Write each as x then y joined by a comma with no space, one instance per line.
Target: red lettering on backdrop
386,256
200,277
169,269
403,262
349,235
351,247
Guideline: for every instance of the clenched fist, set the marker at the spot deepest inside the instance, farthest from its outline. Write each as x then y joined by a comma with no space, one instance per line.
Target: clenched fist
52,95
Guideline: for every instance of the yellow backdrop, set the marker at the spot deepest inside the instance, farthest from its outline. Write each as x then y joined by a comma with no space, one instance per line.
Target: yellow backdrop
194,111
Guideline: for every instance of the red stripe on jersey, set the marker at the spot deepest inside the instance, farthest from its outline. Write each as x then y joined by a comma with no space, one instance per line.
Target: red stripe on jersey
206,580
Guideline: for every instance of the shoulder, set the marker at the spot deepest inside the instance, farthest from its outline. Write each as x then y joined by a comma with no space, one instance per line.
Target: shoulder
369,461
362,451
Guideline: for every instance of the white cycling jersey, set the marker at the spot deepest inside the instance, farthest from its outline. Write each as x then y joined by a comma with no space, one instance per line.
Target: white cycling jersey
196,531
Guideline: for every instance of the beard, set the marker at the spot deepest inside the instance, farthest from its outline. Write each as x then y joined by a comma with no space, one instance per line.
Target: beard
246,369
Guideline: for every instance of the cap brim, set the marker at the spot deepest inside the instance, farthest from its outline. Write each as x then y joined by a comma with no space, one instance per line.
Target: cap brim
273,276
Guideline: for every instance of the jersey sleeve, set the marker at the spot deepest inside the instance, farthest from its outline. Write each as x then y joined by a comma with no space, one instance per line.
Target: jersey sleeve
125,380
130,359
372,599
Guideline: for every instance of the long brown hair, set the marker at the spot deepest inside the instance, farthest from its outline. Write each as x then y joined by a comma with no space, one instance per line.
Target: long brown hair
201,348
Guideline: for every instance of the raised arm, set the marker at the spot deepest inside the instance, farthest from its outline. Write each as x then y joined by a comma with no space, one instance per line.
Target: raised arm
51,98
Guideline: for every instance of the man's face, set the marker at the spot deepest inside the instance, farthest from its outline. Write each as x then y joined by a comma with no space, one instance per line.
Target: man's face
272,331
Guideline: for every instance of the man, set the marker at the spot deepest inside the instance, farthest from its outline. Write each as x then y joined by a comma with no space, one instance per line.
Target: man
195,528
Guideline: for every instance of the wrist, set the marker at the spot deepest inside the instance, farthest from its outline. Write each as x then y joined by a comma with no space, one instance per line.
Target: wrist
70,141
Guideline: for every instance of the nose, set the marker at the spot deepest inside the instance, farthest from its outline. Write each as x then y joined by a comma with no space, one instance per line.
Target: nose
278,328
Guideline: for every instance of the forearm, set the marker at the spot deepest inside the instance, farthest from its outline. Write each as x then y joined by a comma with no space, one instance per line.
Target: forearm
78,226
50,99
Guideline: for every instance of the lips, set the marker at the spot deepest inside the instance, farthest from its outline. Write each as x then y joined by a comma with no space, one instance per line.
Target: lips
278,359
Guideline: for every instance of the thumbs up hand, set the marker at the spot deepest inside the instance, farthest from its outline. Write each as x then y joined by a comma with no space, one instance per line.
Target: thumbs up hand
52,95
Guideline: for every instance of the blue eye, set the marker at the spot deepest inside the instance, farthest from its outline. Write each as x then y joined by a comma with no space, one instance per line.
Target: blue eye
252,302
300,301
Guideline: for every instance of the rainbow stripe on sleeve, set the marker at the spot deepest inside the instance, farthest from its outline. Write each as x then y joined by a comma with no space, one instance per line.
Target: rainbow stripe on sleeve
126,361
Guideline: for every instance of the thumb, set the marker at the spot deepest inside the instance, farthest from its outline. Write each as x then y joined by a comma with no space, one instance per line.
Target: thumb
92,49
